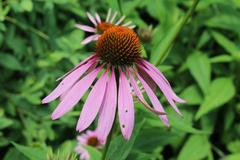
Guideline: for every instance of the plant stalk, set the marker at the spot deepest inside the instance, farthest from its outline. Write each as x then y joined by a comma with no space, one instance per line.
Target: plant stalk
120,6
184,21
110,136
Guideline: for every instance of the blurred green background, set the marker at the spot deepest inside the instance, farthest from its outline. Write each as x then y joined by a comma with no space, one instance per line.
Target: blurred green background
38,44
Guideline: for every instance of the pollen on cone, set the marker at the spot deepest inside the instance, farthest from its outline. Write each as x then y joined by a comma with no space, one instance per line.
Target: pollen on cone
119,46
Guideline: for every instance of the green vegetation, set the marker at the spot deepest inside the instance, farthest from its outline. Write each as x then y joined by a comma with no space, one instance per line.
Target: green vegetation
201,59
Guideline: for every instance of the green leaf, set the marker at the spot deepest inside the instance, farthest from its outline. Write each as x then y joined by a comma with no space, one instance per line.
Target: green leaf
227,44
220,91
94,153
120,148
234,146
200,67
30,152
232,157
5,122
12,153
192,95
3,140
221,59
149,138
183,123
166,43
197,147
225,21
27,5
205,37
10,62
208,122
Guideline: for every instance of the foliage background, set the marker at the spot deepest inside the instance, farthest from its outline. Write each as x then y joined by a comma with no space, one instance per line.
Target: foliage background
38,43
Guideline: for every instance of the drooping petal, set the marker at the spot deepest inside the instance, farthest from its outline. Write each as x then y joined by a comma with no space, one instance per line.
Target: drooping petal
139,94
147,78
113,18
90,38
153,98
98,18
92,19
93,103
108,109
152,68
108,15
67,82
120,20
162,86
85,28
75,94
125,106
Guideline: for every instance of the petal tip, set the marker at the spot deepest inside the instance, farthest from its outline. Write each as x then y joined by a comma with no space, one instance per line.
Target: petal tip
127,137
54,116
44,101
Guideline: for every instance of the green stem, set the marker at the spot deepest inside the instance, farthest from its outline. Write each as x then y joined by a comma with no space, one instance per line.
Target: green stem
34,30
184,21
120,6
108,142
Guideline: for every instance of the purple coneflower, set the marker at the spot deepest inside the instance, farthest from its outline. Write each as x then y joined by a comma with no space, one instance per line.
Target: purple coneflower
100,26
117,54
90,138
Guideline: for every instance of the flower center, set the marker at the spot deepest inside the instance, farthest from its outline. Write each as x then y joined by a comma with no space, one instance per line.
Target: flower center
119,46
92,141
102,27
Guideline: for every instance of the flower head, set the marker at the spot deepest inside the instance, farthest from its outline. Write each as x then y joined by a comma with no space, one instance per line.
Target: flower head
118,54
101,26
89,138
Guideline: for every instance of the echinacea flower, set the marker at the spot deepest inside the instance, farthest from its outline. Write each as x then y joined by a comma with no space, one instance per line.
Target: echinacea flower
101,25
89,138
118,55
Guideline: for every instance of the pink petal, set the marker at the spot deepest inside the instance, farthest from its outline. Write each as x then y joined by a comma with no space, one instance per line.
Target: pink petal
152,68
75,94
98,18
85,28
114,16
90,38
125,106
82,139
120,20
153,98
163,87
63,95
92,57
92,19
147,78
139,93
93,103
108,109
67,82
108,14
